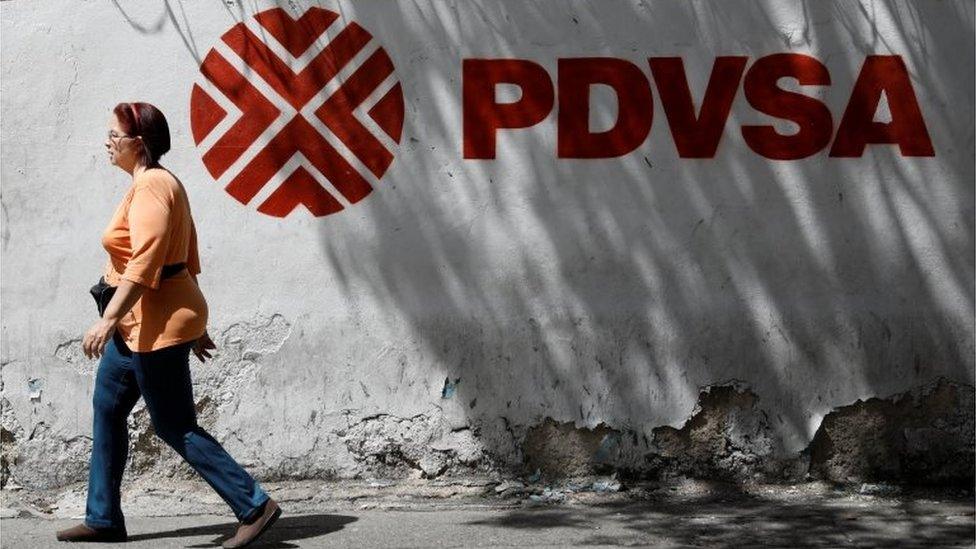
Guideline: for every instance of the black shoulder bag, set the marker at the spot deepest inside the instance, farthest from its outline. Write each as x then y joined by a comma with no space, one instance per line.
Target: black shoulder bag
103,293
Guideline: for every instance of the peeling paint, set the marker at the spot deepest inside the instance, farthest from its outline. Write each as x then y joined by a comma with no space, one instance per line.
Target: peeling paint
728,437
561,449
922,436
390,446
70,351
253,339
241,348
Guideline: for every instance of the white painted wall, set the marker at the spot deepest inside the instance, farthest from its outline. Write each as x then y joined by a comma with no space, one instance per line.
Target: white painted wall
583,290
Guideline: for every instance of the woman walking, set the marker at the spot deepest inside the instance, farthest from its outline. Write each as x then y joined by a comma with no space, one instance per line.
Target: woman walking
144,338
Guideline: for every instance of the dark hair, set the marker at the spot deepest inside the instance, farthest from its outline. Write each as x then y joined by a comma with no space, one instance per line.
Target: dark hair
145,120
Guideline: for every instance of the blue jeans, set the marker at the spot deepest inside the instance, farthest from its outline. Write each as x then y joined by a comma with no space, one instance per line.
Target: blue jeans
162,378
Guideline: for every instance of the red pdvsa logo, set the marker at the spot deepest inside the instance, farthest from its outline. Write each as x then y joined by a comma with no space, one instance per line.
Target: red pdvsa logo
297,112
696,130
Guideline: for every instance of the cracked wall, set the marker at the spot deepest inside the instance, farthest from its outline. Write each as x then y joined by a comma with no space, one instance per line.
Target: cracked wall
730,317
921,436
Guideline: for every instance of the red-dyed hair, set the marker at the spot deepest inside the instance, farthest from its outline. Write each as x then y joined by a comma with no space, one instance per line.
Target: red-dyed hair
145,120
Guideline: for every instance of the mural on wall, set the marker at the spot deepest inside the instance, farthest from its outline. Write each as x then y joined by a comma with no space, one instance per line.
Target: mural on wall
308,110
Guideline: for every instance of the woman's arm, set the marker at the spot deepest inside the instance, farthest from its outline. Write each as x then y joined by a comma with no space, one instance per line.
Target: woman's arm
126,295
125,298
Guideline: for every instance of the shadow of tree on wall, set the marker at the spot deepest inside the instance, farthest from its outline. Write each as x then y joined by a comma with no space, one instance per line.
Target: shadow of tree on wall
546,288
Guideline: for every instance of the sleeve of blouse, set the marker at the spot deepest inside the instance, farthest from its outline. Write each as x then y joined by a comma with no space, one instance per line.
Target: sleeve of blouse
193,255
149,233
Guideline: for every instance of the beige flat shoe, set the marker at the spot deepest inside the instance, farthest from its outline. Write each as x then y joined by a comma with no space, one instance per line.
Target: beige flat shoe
246,533
83,532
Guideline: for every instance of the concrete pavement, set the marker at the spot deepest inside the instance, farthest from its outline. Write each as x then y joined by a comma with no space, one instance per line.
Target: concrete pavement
688,515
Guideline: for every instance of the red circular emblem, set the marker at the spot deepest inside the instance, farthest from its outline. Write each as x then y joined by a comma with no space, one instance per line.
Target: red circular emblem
297,112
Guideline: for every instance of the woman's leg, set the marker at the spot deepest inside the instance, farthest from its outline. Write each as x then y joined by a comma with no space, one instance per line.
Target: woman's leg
116,392
164,379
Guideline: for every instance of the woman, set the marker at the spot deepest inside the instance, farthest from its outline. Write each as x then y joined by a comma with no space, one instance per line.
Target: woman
144,338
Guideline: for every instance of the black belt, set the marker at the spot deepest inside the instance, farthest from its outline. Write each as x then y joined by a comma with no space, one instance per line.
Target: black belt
103,293
170,270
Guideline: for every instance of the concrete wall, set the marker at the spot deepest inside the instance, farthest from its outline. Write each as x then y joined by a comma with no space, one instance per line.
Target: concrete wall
645,313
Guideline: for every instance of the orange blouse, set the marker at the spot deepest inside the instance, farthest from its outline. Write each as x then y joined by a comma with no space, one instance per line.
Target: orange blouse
152,227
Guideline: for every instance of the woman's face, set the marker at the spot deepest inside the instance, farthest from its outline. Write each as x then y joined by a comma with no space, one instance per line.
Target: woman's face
121,147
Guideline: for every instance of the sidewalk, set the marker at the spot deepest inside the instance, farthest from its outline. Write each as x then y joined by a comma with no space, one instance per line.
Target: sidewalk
476,513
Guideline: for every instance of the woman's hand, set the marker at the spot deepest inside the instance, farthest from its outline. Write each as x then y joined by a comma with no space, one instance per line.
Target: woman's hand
93,344
201,346
126,295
